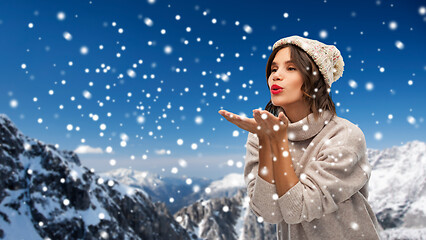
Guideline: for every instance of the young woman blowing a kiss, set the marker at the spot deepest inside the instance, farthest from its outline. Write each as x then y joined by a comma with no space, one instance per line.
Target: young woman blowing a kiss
306,169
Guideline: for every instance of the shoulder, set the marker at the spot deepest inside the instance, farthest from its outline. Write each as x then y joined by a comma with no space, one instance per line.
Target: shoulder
341,124
342,132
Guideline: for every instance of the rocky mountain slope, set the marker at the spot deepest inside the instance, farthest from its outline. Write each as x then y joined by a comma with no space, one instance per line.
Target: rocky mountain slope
45,193
175,192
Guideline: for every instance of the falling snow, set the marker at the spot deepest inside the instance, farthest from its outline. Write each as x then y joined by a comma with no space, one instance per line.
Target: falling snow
61,16
67,36
139,89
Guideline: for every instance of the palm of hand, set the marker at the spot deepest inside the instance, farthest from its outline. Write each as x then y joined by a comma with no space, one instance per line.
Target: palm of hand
263,124
248,124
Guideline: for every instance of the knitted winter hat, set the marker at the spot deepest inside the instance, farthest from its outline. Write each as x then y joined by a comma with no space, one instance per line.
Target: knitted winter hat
327,57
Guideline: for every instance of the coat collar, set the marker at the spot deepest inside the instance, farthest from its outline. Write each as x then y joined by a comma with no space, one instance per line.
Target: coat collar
302,130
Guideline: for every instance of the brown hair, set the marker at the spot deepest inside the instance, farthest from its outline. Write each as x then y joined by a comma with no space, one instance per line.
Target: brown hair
315,90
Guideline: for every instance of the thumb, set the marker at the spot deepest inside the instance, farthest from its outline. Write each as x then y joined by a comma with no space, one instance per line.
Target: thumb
282,117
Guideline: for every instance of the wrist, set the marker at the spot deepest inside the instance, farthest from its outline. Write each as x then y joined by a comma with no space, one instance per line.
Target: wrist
278,144
280,137
263,137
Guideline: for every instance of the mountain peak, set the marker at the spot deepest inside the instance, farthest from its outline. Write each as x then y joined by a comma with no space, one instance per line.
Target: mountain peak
56,197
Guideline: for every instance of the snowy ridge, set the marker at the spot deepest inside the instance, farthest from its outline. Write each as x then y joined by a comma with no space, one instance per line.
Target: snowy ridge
129,177
227,186
52,196
226,218
162,189
222,213
397,189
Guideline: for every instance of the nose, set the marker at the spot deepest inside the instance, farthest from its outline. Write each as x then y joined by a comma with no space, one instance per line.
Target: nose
276,76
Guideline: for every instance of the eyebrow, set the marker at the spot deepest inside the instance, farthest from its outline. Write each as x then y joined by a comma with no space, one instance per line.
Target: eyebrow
287,62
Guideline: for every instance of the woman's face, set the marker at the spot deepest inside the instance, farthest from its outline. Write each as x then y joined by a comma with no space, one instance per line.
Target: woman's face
285,75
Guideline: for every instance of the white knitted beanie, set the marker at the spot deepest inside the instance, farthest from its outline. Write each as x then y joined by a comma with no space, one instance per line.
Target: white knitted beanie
327,57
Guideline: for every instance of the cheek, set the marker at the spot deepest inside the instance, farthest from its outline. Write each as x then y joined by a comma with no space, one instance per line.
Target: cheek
269,81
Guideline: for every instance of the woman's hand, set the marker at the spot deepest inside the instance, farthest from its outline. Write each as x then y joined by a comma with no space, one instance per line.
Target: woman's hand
258,125
273,127
248,124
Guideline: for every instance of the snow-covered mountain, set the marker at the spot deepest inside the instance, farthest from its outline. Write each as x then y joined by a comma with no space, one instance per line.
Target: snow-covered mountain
397,190
225,218
45,193
207,209
228,186
174,192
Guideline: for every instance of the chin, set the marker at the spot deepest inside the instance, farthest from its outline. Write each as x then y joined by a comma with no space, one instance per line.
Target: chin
278,103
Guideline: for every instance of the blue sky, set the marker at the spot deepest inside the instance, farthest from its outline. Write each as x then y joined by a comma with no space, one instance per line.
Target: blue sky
140,82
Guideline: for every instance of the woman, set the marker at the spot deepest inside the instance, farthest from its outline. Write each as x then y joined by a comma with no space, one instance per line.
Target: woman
306,169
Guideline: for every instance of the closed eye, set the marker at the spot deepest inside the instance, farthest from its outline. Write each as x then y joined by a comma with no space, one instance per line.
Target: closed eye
290,68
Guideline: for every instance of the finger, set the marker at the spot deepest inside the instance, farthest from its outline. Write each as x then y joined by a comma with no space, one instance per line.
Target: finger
257,110
268,118
274,122
261,121
266,115
227,115
236,116
230,114
243,123
284,118
280,117
272,115
258,119
256,116
230,117
277,120
236,122
224,112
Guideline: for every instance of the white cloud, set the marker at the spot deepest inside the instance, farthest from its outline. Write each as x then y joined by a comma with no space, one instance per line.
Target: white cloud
160,151
86,149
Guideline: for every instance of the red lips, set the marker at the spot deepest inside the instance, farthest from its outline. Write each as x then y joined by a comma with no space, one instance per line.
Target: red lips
275,89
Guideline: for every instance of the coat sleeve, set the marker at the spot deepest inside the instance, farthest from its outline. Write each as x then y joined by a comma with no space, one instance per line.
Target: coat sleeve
262,194
339,170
